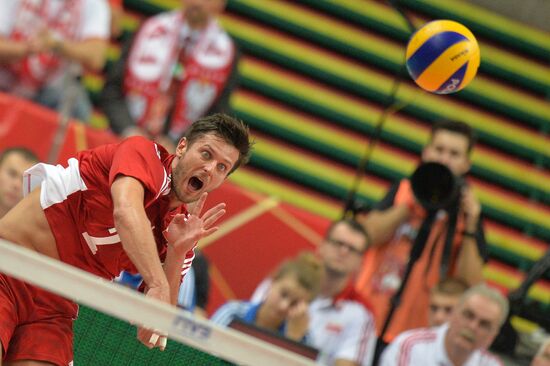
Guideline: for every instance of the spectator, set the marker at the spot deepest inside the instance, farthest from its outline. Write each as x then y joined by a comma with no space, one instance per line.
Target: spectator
455,245
443,299
285,308
474,324
42,41
542,358
195,289
13,162
179,66
342,325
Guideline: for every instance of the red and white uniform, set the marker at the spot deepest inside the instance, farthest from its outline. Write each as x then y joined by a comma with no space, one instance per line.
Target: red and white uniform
426,347
342,328
37,325
82,192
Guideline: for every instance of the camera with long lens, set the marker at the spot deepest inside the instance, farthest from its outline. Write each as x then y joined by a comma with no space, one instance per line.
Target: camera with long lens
435,186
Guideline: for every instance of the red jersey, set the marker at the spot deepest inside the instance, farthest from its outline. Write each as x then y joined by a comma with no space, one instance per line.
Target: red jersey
78,205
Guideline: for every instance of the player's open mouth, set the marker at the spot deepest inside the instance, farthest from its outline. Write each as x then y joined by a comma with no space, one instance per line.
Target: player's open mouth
195,184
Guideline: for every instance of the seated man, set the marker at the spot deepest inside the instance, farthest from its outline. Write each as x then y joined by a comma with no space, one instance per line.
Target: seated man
443,299
13,162
42,41
542,358
473,326
342,325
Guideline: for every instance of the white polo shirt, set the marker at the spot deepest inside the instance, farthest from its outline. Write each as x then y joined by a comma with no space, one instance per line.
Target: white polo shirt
342,328
425,347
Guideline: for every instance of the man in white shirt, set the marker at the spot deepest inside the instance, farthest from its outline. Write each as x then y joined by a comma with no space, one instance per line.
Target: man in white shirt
341,322
461,342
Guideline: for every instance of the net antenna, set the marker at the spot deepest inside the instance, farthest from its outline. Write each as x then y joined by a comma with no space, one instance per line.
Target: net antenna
131,306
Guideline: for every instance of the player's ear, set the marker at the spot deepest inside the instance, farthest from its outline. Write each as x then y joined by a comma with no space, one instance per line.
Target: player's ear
182,146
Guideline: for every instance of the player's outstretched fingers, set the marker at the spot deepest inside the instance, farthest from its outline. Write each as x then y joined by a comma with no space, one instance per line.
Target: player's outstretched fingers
197,208
212,215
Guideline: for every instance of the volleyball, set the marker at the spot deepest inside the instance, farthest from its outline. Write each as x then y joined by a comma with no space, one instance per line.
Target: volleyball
442,56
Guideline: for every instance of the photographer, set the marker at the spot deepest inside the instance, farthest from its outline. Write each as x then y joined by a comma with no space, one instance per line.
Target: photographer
455,245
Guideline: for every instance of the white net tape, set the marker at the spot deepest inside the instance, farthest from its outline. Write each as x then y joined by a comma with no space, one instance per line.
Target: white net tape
133,307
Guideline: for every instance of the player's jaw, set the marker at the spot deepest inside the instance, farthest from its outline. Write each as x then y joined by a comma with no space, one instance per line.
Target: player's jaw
190,186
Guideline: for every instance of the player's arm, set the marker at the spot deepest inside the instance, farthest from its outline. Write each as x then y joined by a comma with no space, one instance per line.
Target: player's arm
136,235
174,268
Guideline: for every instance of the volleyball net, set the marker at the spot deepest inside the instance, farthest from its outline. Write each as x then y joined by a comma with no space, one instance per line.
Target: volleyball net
104,334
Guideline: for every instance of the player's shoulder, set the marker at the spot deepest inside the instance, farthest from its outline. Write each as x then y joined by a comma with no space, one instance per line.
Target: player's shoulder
140,140
142,143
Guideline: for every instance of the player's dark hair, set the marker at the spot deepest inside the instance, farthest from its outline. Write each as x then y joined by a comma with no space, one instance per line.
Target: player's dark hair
231,129
27,154
458,127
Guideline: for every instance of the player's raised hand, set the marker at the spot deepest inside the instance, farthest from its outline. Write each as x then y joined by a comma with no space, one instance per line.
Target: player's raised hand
185,230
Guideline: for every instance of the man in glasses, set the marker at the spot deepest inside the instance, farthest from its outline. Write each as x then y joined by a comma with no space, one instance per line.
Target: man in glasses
341,323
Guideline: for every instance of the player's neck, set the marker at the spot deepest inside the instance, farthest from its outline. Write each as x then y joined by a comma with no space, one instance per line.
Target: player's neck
174,201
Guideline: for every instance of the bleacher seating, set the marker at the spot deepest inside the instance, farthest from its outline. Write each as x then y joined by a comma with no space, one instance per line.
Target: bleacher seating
316,76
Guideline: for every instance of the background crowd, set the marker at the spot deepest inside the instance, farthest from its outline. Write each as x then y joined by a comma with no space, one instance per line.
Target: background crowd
397,280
